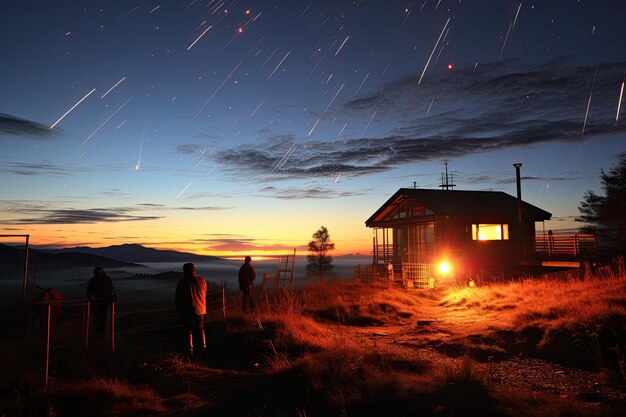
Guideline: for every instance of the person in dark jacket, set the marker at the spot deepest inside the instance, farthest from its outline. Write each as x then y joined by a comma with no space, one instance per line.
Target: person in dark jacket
190,300
246,284
101,293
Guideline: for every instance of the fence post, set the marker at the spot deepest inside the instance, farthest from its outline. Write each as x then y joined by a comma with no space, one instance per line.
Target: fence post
575,245
87,324
113,327
25,278
32,299
47,364
223,300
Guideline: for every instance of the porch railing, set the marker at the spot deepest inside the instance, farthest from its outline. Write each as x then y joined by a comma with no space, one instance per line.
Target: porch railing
565,244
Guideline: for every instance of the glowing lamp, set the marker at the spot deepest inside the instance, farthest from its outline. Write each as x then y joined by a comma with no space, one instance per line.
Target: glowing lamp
450,67
444,268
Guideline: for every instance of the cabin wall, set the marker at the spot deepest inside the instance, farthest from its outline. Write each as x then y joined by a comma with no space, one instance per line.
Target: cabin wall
456,245
451,241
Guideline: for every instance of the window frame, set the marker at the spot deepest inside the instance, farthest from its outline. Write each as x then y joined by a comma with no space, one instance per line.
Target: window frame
504,231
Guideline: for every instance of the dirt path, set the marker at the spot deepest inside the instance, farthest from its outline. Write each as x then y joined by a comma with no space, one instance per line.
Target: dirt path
436,341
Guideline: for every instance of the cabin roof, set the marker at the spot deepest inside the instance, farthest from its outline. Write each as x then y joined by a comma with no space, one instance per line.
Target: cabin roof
461,204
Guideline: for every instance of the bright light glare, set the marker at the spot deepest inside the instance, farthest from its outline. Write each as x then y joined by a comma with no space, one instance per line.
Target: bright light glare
444,268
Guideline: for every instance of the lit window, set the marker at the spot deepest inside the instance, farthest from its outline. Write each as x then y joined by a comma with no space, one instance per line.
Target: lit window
490,232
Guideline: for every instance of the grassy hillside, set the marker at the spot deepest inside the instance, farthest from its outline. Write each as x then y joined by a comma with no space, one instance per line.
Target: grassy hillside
551,347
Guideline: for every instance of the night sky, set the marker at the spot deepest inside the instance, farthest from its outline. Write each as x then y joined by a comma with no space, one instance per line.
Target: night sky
232,127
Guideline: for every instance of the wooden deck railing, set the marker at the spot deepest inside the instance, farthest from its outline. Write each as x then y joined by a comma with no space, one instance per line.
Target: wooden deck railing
565,244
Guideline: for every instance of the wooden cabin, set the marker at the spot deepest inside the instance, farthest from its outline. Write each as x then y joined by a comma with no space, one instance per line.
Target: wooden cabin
431,234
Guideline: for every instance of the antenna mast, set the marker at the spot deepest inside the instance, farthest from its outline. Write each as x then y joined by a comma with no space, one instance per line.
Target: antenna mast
447,182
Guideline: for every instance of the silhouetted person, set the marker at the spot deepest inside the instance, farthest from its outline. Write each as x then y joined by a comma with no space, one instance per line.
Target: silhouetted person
550,242
191,305
246,284
101,293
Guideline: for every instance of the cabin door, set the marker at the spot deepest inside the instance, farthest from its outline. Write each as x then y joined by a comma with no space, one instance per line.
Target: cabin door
415,243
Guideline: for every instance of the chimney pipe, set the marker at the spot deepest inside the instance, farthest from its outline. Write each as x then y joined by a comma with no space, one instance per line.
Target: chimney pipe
518,181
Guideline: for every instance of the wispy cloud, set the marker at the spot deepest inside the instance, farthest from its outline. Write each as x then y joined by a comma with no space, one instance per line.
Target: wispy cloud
203,208
493,107
51,168
189,148
545,179
293,193
153,206
29,212
241,244
40,212
15,126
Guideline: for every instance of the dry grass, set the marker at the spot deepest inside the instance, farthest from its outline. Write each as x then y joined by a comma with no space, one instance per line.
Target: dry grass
587,314
358,348
106,396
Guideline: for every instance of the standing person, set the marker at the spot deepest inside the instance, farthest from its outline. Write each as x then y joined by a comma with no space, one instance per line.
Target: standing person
101,293
550,242
246,284
390,273
190,300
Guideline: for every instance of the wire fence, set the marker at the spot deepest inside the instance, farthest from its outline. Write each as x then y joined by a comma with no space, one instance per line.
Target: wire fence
66,326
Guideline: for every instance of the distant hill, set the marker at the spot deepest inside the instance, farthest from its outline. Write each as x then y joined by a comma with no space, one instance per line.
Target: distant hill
10,255
138,253
167,276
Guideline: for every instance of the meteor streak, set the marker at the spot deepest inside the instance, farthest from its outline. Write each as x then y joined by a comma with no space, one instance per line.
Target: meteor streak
423,5
582,134
284,158
107,120
368,124
218,89
198,38
342,129
362,82
335,96
182,192
111,89
342,44
138,165
73,107
516,14
257,108
268,58
433,52
430,106
307,8
619,103
279,64
314,126
511,26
